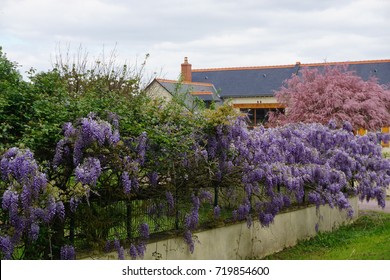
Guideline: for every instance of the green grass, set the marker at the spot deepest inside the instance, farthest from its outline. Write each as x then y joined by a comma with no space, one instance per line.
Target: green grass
368,238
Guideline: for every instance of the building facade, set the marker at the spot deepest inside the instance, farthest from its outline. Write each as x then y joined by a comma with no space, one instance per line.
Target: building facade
252,89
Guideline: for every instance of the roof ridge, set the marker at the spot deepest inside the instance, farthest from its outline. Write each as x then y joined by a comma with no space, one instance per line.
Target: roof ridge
291,65
242,68
184,83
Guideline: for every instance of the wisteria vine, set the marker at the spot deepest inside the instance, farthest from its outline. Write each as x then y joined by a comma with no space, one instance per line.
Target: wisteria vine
253,173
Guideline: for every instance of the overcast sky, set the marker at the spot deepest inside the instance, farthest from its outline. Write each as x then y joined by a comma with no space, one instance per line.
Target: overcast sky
212,33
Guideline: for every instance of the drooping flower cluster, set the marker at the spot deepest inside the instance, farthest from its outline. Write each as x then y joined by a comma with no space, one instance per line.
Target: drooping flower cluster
89,131
257,172
88,172
126,182
92,149
144,230
297,163
28,199
192,219
68,253
85,151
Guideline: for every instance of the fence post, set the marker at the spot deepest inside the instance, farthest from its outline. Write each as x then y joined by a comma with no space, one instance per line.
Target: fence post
128,219
71,228
216,190
176,208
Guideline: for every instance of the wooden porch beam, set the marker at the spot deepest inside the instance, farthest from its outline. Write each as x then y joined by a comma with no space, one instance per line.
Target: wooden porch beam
259,106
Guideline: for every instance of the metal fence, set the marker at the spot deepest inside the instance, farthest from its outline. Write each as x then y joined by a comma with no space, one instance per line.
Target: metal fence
100,221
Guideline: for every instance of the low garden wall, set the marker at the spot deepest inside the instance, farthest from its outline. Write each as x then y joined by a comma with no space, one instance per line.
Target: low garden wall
237,241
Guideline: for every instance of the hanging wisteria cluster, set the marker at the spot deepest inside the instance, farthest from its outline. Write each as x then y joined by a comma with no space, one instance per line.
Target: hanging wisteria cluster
28,199
94,151
300,162
254,173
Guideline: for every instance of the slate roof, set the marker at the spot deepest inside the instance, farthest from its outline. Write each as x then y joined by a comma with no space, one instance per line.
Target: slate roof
265,80
204,91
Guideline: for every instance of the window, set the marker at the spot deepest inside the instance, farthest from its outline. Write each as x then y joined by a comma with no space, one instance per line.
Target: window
257,116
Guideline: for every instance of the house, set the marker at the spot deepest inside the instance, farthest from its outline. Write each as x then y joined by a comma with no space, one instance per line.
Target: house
186,89
251,89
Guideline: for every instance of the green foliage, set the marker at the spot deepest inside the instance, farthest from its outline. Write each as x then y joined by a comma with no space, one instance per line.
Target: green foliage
14,102
9,75
222,115
185,99
32,113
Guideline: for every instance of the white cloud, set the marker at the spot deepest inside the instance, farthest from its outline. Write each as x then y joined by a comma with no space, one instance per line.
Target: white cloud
212,33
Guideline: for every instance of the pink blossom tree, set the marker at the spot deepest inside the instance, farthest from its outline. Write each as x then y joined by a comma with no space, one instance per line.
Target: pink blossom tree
333,93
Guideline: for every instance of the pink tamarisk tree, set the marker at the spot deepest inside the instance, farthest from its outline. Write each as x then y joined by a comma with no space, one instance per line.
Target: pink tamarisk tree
319,95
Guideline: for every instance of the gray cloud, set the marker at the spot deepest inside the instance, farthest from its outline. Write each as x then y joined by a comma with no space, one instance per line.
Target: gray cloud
213,33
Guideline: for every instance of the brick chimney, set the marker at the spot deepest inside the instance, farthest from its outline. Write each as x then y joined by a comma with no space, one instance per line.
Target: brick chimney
186,71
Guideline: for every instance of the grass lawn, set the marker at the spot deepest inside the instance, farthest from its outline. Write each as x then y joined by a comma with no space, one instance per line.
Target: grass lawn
366,239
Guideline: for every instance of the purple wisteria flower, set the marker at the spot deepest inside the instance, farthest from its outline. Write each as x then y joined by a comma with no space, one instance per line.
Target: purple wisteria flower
243,211
192,219
67,252
88,131
266,219
108,246
50,210
141,248
114,137
195,202
88,173
217,212
206,196
332,124
133,252
135,183
26,199
121,253
61,152
6,246
34,232
204,154
144,230
69,130
141,148
119,249
153,179
18,164
92,130
170,201
74,202
126,182
10,201
79,146
347,126
117,244
60,210
113,119
189,241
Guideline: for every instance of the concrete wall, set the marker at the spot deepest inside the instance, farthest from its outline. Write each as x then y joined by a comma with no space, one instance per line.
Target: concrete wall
155,90
238,242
